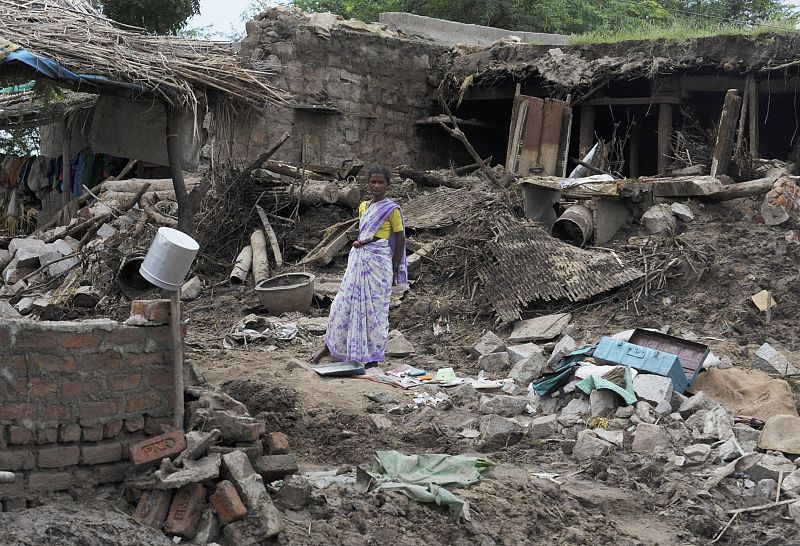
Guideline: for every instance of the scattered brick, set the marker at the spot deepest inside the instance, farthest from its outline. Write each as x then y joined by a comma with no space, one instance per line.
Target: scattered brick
49,481
134,424
70,432
53,363
153,508
112,428
156,448
144,401
93,433
185,511
16,459
125,382
227,503
106,453
278,443
19,435
99,410
59,457
152,310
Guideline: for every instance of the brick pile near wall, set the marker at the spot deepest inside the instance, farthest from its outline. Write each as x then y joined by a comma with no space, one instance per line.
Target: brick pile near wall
380,84
73,397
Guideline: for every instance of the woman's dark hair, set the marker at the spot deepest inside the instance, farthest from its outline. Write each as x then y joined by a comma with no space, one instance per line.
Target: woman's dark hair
379,169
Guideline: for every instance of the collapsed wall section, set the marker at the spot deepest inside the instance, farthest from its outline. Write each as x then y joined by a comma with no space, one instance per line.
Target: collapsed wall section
358,93
73,397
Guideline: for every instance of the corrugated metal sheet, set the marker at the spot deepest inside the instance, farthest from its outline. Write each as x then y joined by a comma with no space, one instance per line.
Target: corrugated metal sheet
529,265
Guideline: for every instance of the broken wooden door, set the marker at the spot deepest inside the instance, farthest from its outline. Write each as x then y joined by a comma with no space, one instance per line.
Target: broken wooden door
535,144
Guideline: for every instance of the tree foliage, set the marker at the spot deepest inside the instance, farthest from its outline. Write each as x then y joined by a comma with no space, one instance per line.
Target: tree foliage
157,16
21,142
557,16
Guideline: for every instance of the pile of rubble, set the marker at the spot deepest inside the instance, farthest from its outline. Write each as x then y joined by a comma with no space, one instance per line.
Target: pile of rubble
211,483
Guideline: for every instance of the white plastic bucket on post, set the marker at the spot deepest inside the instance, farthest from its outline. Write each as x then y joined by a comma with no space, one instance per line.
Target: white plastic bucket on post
168,261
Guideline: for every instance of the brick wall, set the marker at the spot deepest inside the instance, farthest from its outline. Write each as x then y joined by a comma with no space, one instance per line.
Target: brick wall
73,397
381,86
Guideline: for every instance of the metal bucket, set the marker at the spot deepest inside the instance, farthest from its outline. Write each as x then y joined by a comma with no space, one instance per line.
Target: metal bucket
575,226
286,293
168,261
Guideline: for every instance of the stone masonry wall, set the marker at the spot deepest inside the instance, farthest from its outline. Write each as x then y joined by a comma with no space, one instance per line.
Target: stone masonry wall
381,85
73,397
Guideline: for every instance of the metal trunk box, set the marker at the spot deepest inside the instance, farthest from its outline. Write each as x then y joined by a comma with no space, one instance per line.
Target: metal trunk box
612,351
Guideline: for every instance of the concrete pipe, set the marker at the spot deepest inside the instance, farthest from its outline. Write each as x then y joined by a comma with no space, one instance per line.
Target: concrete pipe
575,226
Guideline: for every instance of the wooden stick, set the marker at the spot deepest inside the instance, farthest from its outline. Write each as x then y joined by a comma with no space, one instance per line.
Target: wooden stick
265,156
722,531
177,354
273,240
762,506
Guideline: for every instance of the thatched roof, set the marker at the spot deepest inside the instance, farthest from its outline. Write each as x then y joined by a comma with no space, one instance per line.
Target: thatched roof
24,108
83,41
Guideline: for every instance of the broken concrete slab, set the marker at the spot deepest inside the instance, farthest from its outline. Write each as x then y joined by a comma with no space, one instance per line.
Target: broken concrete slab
697,453
542,404
682,212
747,437
540,328
7,310
398,346
528,370
106,231
192,472
197,445
505,406
16,244
234,428
718,423
616,437
603,403
517,353
791,482
379,422
655,389
565,346
700,401
574,411
487,344
236,468
499,431
261,524
650,439
659,219
276,467
494,362
192,289
589,447
208,528
770,360
543,427
295,493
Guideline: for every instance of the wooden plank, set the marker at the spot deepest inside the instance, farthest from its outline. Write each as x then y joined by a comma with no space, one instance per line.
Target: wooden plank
743,116
549,145
586,131
631,101
725,133
712,83
530,154
753,114
564,143
635,147
664,136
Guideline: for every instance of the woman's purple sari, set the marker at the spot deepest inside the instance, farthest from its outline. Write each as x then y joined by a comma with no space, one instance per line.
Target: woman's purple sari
359,319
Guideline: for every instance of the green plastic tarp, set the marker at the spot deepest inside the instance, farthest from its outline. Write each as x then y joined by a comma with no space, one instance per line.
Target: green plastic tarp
424,477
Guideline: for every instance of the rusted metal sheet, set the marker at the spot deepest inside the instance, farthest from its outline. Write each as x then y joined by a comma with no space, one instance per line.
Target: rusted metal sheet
535,137
550,141
528,265
691,354
442,208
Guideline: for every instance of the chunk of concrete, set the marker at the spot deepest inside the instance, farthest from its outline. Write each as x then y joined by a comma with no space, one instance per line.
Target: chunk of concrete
505,406
487,344
497,431
791,482
208,528
464,393
276,467
603,403
624,412
542,404
379,422
697,453
718,423
543,427
7,310
295,493
24,306
192,289
262,523
62,247
659,219
494,362
589,447
650,439
192,472
528,370
398,346
644,411
682,212
769,467
29,256
59,268
747,437
541,328
234,428
770,360
16,244
655,389
236,468
517,353
700,401
106,231
565,346
574,411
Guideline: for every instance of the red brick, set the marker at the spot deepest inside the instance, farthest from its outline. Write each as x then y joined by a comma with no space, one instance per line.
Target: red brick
58,412
112,428
18,361
16,459
17,411
148,359
152,310
162,379
37,340
81,340
134,424
125,335
49,481
227,503
53,363
106,453
73,389
153,508
47,435
278,443
125,382
58,457
185,511
93,433
19,435
109,360
98,410
156,448
69,432
139,402
36,386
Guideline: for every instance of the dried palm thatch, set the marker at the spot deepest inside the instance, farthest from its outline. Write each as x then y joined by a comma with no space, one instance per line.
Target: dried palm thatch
173,68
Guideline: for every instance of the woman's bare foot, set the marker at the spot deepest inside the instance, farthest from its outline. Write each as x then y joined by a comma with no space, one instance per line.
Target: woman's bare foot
319,355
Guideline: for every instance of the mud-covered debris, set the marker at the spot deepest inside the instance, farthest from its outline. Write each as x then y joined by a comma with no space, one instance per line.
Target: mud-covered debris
527,370
398,346
497,431
697,453
494,363
379,422
505,406
700,401
489,343
659,219
540,328
543,427
589,447
276,467
650,439
295,493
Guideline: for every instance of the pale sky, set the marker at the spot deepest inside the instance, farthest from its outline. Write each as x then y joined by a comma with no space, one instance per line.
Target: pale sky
223,15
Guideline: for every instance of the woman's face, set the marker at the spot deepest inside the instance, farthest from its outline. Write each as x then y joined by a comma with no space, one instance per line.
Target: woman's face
378,186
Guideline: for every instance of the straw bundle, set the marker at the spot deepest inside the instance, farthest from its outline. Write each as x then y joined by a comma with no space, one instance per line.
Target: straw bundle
173,68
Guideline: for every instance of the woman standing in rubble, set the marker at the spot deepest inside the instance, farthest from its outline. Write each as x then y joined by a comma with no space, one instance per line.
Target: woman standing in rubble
358,324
